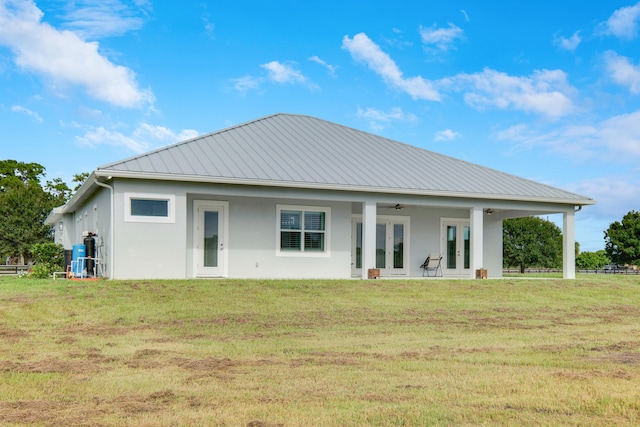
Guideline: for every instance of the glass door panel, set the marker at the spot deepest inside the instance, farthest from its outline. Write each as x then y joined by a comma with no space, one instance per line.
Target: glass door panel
358,244
398,245
467,247
381,245
452,246
210,237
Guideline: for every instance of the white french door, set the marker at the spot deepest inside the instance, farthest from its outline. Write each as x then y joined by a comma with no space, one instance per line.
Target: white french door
456,247
210,238
392,245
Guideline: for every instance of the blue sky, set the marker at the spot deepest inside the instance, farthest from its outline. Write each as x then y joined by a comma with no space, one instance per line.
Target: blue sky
546,90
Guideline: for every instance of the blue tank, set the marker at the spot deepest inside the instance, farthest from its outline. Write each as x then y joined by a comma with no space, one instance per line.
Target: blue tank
78,266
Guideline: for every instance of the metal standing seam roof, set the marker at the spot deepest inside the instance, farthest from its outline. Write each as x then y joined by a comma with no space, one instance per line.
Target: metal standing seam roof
296,150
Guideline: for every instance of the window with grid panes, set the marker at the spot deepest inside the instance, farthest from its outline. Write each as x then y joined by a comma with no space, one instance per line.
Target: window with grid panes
302,230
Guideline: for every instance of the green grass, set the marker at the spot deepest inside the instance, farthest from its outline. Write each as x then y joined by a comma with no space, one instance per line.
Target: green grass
311,353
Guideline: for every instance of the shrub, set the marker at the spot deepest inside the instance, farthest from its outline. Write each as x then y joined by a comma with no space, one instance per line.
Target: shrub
592,260
41,271
48,257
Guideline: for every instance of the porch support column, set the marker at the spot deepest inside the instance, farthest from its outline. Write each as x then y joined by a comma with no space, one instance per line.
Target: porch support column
477,239
368,237
569,245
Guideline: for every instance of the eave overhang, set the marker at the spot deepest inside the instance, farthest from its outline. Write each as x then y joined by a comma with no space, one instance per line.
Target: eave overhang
108,174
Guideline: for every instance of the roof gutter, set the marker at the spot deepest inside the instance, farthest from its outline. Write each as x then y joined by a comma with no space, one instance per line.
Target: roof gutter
111,224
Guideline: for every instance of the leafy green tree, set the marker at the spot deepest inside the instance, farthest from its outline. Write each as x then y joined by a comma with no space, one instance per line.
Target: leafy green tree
531,242
48,257
25,204
622,239
13,172
79,179
592,260
23,209
59,191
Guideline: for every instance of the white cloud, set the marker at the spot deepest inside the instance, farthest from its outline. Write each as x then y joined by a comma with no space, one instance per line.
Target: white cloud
616,196
144,138
23,110
621,135
90,114
447,135
65,58
209,27
286,74
465,14
363,49
379,119
276,72
570,43
283,73
544,92
615,140
622,71
442,38
245,84
623,23
330,68
94,19
102,136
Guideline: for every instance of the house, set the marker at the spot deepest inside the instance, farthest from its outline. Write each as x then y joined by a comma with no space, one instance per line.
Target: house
291,196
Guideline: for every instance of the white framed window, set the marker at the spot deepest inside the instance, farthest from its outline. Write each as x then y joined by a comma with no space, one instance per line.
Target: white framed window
149,207
303,230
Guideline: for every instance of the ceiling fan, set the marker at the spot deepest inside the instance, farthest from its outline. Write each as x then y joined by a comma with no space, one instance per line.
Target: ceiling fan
397,206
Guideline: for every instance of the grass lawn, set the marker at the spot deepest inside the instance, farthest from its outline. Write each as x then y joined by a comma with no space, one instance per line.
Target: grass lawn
320,353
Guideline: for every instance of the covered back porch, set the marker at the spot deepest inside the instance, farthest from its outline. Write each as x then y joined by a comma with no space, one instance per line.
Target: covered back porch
396,237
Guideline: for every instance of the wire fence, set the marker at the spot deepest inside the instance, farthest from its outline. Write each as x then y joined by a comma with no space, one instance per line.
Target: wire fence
624,271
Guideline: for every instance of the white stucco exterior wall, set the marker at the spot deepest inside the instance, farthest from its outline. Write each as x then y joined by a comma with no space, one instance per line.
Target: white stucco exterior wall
252,253
165,250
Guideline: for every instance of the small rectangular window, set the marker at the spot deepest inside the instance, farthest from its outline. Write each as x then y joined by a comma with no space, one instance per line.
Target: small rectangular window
146,207
149,208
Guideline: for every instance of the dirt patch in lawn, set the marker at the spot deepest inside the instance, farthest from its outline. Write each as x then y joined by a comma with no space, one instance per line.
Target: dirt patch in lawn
40,412
621,358
11,334
51,365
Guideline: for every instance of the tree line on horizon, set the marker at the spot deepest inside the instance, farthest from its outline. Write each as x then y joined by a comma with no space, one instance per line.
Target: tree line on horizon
25,203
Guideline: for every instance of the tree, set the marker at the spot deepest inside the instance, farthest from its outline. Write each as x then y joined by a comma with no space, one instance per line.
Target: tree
23,209
622,239
531,242
79,179
58,190
592,260
25,204
14,173
48,257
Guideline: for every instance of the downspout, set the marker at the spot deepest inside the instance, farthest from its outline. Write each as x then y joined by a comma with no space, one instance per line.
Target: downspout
579,208
111,225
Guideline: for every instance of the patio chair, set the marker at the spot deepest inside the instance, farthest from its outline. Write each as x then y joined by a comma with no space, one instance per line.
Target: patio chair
432,263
